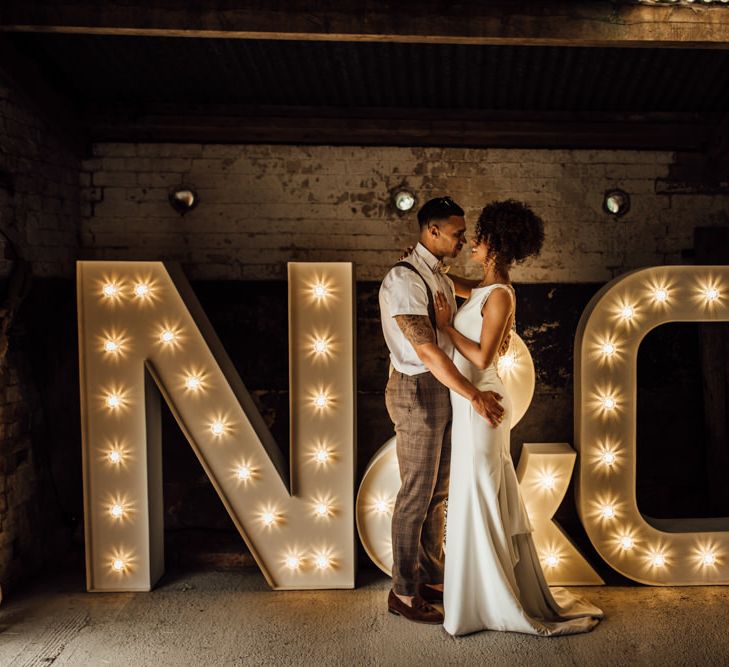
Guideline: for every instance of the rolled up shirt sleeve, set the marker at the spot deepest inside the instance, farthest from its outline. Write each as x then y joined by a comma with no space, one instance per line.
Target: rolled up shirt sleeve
405,292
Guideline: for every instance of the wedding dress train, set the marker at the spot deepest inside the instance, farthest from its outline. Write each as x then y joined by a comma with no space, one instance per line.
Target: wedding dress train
493,577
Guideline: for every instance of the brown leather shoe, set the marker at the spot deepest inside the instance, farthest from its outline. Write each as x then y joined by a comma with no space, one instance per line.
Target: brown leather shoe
432,595
420,612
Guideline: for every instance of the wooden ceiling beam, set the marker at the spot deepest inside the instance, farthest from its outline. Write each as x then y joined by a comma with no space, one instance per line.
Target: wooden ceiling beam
55,108
378,127
599,23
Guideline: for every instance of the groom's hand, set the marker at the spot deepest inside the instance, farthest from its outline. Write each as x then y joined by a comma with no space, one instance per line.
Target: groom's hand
486,403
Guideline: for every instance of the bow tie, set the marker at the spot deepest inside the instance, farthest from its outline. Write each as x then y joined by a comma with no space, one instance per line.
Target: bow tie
441,268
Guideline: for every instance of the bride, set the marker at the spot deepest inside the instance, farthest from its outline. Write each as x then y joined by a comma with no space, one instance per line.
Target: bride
493,577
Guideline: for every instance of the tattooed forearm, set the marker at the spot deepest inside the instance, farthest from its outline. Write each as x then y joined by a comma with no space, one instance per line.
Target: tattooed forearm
417,329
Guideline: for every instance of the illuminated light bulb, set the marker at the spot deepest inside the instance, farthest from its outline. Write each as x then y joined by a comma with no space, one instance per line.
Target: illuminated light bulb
142,290
627,312
552,560
193,382
708,558
658,560
118,565
608,458
113,401
320,346
115,456
548,481
110,290
608,349
167,336
321,509
293,562
626,542
111,346
243,473
117,511
507,362
711,293
608,402
217,427
607,511
268,518
320,291
321,455
322,562
660,294
381,506
321,400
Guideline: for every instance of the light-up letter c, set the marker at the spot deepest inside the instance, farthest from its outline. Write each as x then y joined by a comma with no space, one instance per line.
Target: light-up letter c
666,552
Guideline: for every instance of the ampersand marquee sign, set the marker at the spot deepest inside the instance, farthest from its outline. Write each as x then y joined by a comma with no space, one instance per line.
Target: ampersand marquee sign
143,337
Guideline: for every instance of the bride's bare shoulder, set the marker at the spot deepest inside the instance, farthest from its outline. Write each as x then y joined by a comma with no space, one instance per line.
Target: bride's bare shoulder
498,301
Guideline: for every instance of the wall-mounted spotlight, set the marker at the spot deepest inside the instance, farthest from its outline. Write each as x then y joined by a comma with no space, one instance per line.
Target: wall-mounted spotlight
183,199
616,202
403,199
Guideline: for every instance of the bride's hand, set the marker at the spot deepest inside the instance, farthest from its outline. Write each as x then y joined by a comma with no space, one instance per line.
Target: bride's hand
407,252
442,311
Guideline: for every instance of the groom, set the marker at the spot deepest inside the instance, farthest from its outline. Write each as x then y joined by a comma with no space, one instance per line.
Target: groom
419,404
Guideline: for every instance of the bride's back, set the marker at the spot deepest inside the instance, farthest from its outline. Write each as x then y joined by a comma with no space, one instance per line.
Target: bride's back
469,320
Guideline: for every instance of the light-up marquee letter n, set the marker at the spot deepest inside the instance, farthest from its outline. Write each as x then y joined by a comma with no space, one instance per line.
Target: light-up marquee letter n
673,552
142,334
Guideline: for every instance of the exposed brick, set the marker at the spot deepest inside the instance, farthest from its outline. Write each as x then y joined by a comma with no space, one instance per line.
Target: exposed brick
115,178
43,218
302,202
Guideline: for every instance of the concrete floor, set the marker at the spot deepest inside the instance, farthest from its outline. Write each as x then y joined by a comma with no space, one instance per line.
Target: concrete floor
231,618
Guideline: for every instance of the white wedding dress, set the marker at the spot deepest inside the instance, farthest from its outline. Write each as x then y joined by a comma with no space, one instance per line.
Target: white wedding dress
493,577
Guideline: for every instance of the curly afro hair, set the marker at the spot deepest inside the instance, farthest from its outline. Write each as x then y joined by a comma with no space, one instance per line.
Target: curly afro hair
512,231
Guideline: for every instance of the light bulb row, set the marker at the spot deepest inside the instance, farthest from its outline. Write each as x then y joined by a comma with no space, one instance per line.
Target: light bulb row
321,347
320,455
321,508
114,345
658,559
116,399
293,560
320,560
709,292
115,290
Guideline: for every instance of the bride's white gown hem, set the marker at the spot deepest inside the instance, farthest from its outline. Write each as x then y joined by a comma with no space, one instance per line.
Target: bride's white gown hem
493,577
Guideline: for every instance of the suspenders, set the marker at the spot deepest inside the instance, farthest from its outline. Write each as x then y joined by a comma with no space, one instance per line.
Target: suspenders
431,301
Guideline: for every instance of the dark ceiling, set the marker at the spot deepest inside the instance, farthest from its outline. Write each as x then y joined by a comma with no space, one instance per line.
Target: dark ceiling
103,69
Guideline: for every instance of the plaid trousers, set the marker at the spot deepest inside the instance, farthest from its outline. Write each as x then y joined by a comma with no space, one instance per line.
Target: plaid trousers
420,407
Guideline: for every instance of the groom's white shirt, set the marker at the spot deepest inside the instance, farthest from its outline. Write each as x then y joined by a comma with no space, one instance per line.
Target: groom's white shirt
403,293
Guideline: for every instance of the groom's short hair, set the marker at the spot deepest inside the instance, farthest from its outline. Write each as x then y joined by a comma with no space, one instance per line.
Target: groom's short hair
440,208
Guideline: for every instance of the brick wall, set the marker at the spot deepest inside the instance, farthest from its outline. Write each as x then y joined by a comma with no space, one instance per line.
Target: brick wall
262,206
39,213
